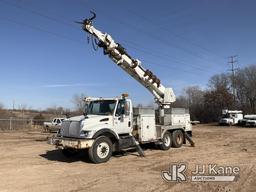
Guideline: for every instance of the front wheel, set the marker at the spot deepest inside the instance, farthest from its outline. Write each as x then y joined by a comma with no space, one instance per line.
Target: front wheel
101,150
166,141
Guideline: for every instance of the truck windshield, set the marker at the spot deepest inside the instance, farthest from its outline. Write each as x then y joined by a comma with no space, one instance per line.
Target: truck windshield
227,115
101,107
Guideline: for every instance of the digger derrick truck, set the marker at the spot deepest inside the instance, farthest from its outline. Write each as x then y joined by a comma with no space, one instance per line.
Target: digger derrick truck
113,124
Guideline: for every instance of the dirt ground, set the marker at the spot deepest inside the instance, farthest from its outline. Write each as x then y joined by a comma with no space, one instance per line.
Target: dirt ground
28,163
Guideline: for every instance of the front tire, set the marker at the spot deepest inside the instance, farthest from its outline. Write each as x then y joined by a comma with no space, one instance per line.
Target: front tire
166,141
101,150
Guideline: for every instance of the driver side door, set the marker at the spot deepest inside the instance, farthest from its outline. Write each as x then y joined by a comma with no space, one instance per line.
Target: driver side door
122,117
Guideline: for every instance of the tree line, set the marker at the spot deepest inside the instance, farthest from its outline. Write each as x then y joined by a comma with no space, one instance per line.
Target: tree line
223,91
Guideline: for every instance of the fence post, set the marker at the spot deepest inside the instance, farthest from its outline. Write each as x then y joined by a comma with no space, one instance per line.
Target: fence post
31,123
10,123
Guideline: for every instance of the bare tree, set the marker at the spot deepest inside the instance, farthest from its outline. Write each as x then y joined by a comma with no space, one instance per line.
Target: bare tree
220,82
194,95
246,88
215,101
195,102
56,110
79,103
181,102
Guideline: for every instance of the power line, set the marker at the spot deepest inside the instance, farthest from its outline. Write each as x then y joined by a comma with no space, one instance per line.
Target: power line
38,13
68,38
152,35
48,17
174,34
69,24
160,57
42,30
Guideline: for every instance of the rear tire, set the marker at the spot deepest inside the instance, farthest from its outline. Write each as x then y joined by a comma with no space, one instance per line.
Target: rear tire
166,141
101,150
177,138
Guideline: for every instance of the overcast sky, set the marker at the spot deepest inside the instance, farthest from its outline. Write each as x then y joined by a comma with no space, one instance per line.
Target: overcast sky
45,58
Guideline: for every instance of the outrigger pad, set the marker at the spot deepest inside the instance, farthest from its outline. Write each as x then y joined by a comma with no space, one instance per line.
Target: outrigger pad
139,149
192,143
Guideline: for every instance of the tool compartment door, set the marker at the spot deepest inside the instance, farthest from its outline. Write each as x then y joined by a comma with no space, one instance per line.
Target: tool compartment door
147,128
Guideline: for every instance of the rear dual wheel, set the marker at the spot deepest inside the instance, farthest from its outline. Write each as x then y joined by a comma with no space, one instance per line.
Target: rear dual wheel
177,138
166,141
174,139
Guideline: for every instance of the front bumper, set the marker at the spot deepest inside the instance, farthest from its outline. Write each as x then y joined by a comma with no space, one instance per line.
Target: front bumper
63,142
225,122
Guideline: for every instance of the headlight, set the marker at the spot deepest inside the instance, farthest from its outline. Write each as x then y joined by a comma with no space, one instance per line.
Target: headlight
85,133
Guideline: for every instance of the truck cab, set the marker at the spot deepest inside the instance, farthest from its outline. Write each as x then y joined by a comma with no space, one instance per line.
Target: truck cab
99,129
111,114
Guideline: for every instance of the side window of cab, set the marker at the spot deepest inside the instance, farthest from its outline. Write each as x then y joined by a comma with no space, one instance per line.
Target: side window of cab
127,108
123,108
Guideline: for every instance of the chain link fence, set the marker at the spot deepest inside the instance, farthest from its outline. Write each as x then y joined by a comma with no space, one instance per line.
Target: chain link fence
21,124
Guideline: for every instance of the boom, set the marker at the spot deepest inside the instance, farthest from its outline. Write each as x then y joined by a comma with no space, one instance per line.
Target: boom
163,96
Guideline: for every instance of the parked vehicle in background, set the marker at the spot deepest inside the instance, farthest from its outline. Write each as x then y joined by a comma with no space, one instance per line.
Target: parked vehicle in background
54,125
230,117
248,121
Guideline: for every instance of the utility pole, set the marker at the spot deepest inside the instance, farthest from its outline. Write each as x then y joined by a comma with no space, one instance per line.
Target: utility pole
232,61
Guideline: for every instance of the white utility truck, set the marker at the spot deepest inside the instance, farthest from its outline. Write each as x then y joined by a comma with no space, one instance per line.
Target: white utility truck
248,121
230,117
113,124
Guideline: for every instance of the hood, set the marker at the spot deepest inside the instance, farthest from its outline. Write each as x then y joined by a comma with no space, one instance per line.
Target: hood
90,121
72,127
96,119
76,118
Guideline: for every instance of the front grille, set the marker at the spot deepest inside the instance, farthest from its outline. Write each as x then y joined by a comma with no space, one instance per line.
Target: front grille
71,128
65,128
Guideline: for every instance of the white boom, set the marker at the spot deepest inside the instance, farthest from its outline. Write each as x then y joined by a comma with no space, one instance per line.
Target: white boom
163,96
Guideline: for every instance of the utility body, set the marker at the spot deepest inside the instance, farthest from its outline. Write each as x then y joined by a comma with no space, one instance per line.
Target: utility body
113,124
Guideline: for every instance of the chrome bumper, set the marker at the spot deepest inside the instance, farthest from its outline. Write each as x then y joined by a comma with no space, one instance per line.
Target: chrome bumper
62,142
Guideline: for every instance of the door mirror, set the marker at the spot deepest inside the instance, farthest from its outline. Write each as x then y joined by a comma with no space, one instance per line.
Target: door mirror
122,117
120,110
86,106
